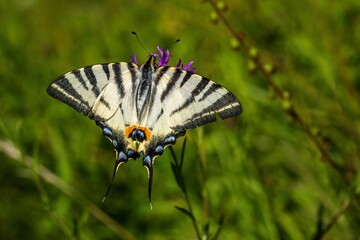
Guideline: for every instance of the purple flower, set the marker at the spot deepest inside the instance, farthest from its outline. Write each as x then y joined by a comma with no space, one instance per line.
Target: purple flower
133,59
163,56
186,67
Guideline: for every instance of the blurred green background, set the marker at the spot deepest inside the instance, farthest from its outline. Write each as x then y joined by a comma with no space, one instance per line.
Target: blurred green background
259,171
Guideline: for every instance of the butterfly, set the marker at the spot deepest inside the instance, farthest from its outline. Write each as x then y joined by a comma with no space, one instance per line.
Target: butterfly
142,109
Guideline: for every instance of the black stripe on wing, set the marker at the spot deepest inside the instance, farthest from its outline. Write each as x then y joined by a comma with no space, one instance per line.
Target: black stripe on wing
213,88
78,76
171,83
118,78
105,68
134,75
63,90
196,91
226,106
160,74
79,88
186,77
92,79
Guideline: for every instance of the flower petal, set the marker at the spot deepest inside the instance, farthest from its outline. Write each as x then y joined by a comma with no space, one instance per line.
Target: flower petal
133,59
178,65
188,65
192,70
163,56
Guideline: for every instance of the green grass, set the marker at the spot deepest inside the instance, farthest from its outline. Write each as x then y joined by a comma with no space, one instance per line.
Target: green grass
261,172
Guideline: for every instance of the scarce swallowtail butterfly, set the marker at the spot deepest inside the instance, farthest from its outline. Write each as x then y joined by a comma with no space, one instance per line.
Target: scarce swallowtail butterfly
142,109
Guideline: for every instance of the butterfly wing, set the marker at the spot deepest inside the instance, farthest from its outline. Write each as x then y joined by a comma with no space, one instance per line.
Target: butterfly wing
104,93
97,91
198,100
183,100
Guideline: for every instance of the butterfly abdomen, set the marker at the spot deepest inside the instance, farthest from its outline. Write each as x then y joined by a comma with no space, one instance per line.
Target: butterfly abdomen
143,93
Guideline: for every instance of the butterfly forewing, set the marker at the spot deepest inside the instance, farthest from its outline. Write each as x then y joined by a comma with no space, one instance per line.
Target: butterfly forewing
96,90
189,100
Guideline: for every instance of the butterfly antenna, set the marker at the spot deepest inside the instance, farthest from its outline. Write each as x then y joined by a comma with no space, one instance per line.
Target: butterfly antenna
176,41
170,46
142,45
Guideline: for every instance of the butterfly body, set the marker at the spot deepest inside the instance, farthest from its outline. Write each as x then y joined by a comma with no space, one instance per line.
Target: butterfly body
143,109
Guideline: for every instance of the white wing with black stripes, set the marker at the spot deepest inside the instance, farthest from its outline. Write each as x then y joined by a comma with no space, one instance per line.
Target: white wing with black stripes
143,109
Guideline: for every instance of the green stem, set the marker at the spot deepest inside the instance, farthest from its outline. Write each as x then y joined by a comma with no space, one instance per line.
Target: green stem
192,214
346,174
184,189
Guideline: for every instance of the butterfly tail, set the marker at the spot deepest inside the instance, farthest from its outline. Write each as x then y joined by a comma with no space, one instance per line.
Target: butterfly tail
148,164
121,158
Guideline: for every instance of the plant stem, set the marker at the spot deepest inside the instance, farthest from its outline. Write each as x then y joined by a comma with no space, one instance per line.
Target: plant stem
183,188
346,174
192,214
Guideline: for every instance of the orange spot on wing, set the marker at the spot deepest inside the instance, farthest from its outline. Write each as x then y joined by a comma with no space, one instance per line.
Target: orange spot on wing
146,131
131,128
